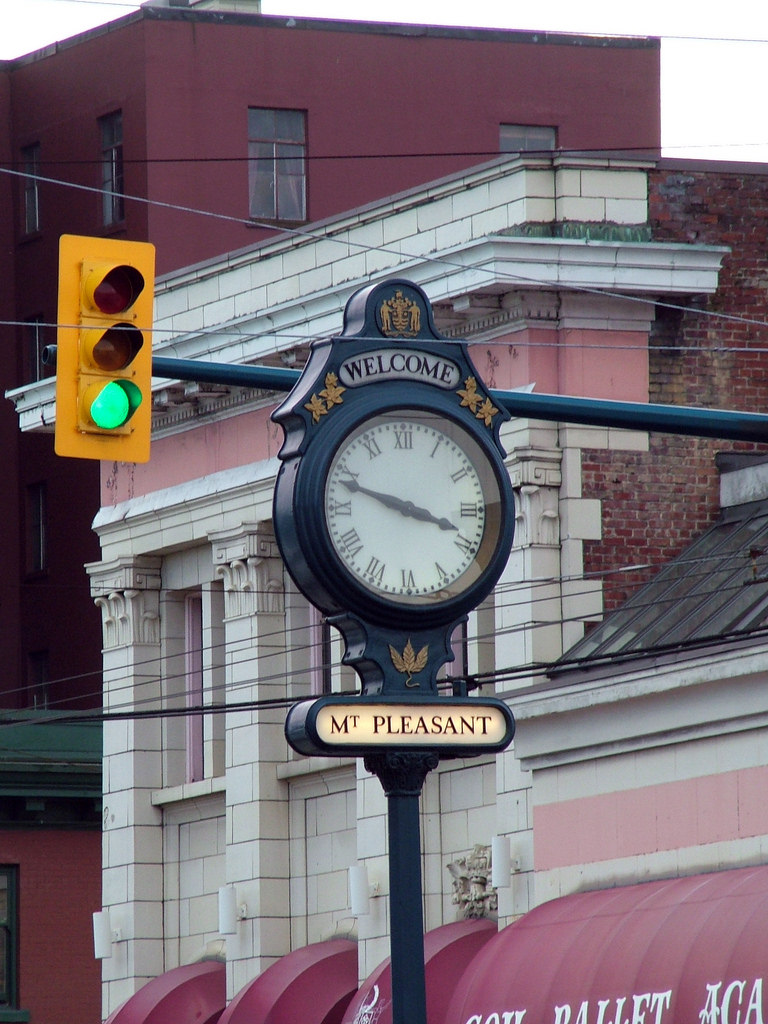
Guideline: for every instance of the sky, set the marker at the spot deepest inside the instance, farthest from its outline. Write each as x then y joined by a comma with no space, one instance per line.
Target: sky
714,77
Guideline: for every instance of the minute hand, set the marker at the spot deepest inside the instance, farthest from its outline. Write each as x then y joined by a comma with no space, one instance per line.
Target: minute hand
406,508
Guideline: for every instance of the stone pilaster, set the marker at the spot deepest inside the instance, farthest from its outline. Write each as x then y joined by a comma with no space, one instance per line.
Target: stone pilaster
127,592
528,599
248,561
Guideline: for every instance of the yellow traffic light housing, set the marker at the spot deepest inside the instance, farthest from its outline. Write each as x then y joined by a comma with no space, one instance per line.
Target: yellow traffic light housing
104,348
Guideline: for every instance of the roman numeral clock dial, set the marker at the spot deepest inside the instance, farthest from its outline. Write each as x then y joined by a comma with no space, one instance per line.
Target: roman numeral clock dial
412,507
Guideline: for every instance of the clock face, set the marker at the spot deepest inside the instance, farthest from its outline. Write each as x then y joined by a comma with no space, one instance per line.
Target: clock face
413,507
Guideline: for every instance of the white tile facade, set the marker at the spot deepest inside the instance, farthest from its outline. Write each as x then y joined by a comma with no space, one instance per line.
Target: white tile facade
284,830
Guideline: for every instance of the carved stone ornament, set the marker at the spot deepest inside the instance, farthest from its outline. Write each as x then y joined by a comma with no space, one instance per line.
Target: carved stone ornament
536,477
247,559
128,594
472,890
537,519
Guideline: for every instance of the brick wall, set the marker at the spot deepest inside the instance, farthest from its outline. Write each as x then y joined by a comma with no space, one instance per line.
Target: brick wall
59,888
655,503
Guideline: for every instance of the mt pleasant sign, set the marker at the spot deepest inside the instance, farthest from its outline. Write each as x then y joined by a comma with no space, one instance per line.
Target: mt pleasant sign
365,725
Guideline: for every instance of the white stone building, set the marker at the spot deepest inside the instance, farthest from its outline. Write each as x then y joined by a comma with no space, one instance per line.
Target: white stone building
198,610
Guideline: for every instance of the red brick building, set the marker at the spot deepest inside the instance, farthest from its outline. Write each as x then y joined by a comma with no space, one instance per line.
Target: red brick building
50,860
175,107
709,356
204,132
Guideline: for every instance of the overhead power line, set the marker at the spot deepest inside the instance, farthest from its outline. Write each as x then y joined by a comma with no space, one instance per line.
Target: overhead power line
310,234
509,596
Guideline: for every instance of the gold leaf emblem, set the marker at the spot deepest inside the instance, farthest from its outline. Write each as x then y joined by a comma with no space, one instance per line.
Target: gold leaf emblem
400,317
329,396
486,412
472,399
316,407
409,662
332,391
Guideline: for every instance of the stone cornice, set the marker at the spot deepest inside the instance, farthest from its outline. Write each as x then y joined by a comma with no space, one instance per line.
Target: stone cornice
453,237
580,715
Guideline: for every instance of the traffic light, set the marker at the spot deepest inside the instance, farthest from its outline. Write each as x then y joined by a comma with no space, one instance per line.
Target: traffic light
104,348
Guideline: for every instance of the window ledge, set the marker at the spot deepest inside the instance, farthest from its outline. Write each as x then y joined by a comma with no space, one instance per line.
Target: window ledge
13,1015
187,791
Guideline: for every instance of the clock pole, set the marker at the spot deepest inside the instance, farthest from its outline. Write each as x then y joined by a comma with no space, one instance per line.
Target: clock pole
394,513
402,775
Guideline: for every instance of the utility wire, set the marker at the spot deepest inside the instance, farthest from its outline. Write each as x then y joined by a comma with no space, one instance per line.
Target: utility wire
310,234
294,652
20,717
307,233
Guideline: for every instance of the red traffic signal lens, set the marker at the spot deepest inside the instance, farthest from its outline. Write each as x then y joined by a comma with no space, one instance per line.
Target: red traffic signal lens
113,349
117,290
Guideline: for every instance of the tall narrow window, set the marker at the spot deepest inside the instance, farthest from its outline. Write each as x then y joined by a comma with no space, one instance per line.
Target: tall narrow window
526,138
36,340
37,680
458,668
193,611
277,176
30,158
9,937
321,675
112,180
36,517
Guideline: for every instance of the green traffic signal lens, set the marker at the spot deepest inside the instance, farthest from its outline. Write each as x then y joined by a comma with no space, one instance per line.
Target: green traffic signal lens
111,405
110,408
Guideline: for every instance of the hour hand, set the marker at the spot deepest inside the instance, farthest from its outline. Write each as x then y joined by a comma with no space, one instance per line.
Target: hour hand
406,508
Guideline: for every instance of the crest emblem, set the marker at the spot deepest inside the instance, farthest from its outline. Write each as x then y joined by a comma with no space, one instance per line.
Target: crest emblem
400,316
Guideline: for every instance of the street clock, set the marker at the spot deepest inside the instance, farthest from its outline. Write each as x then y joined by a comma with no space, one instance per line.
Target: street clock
393,509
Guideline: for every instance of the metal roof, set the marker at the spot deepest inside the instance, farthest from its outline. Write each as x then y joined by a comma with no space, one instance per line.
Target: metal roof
716,588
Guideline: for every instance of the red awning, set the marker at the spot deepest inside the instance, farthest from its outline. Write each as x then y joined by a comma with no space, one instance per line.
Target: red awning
193,994
312,985
447,951
679,951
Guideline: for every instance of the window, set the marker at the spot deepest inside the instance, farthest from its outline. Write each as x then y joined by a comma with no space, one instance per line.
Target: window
194,677
37,680
36,516
9,937
321,653
36,340
193,610
112,181
526,138
277,177
458,669
30,159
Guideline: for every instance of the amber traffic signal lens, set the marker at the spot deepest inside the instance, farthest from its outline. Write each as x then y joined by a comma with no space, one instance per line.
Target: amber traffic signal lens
117,348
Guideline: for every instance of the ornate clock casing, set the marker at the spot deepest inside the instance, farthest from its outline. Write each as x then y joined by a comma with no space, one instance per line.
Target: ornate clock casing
393,509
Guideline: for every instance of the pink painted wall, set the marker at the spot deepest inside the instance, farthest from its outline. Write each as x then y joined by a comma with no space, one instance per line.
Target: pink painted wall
667,816
579,363
198,452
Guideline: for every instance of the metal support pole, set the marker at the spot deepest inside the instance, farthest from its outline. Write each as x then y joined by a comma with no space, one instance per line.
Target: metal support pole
719,423
724,424
402,776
